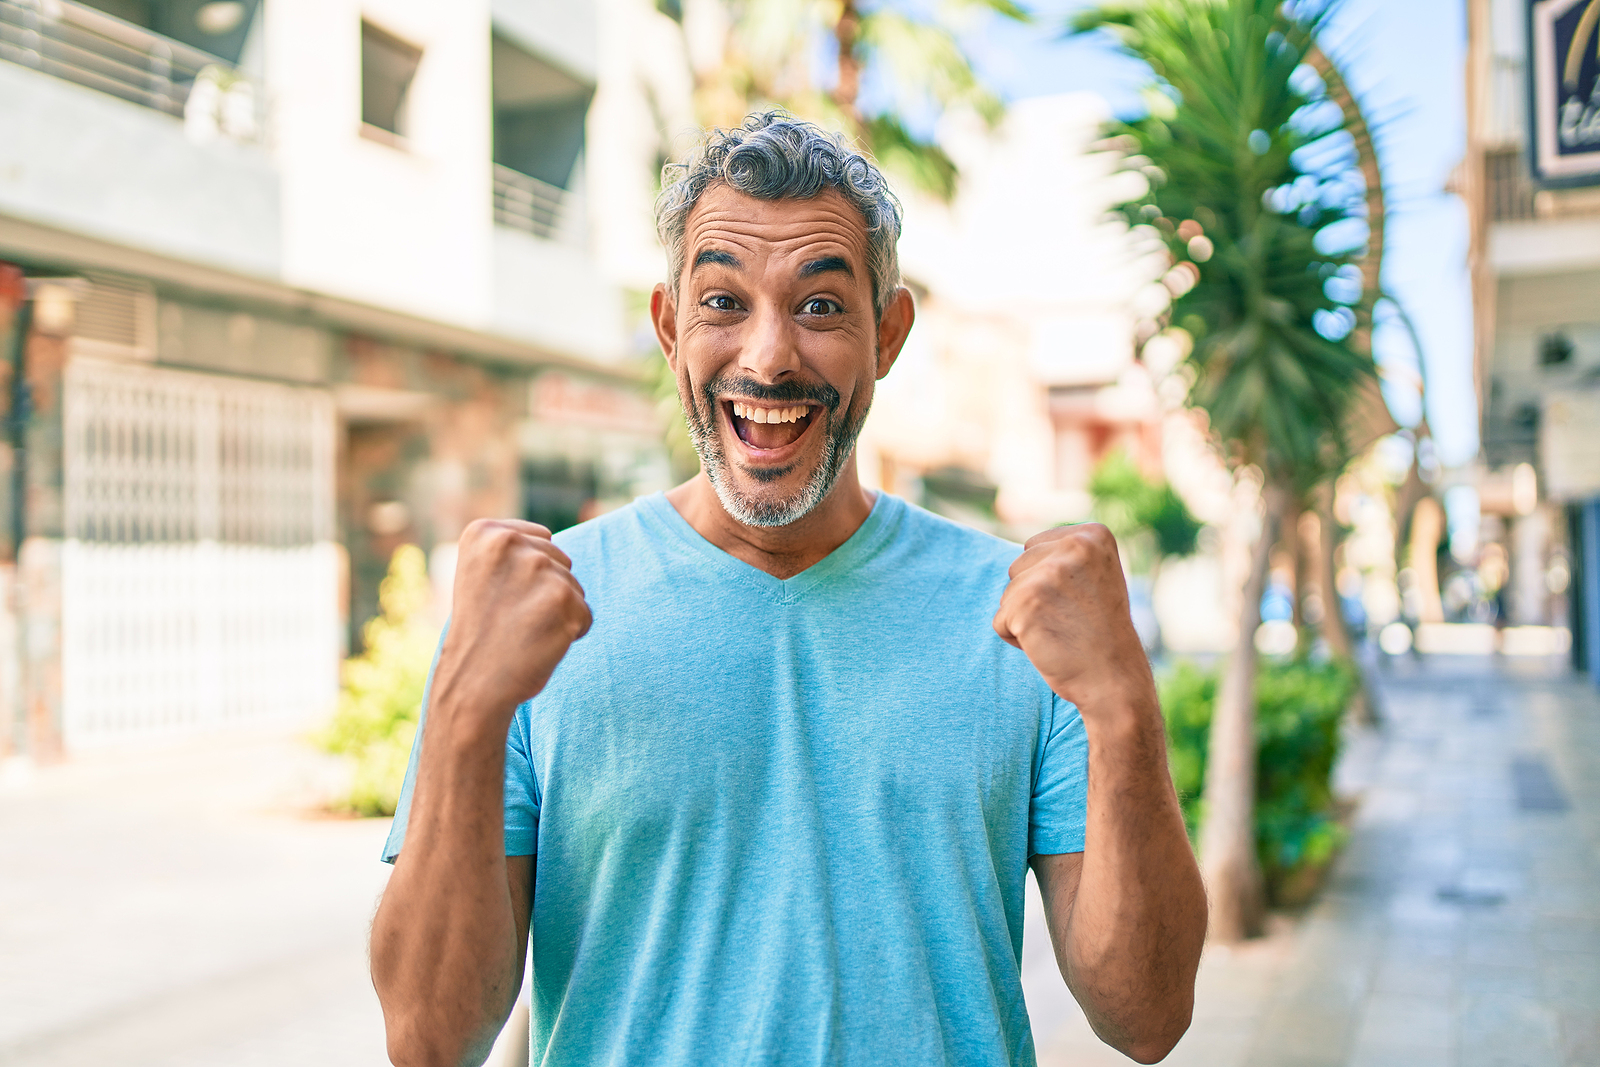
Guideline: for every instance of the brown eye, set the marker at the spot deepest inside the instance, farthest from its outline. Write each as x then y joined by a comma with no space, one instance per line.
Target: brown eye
721,303
820,307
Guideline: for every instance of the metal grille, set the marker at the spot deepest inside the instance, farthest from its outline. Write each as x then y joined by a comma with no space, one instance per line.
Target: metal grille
1510,186
199,577
115,317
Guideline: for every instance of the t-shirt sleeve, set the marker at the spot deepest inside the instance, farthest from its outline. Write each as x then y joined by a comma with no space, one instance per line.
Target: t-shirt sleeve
1059,810
521,791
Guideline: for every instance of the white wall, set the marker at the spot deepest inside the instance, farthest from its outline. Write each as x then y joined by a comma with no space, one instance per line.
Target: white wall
88,162
552,294
402,228
562,31
1540,246
643,106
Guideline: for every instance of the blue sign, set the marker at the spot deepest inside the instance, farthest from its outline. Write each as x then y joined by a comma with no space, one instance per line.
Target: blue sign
1564,76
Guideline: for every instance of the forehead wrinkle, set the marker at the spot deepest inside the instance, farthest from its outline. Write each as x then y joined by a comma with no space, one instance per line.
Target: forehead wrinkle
747,223
761,256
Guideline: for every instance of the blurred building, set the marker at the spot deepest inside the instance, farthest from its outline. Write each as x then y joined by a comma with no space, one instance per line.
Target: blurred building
300,280
1532,181
1024,370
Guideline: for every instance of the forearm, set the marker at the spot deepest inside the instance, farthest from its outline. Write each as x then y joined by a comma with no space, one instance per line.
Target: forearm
447,957
1132,945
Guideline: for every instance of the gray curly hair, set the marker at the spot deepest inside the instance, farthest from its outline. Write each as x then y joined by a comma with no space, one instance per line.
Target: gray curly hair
775,156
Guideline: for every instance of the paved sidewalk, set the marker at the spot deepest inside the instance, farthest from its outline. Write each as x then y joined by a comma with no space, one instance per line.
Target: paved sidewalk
178,907
1461,927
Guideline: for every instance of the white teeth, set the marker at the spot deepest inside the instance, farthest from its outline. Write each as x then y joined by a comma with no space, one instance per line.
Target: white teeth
755,414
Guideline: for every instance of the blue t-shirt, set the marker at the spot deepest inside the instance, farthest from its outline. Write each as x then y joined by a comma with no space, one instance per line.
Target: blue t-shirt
786,821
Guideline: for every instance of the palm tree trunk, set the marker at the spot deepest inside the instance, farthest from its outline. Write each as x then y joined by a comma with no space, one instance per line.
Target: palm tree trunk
1227,834
1293,546
1363,707
1334,630
846,32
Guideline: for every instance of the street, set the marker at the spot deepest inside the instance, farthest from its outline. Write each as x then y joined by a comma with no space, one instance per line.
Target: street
186,907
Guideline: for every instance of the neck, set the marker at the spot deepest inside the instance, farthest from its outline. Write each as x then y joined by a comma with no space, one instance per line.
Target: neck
781,551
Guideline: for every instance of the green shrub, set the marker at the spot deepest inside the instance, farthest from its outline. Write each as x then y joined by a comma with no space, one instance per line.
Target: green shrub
1298,708
1137,510
381,695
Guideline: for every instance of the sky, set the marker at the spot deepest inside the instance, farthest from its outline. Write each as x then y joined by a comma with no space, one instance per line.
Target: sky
1405,61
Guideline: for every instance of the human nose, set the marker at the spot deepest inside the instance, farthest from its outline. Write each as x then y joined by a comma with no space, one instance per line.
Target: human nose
770,352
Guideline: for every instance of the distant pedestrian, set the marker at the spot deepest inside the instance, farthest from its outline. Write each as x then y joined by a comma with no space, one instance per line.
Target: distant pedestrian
775,800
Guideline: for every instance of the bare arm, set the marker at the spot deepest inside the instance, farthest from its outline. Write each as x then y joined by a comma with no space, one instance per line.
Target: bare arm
1128,915
450,938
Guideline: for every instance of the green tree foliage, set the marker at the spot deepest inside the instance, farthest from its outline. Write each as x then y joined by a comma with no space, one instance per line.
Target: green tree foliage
1136,509
381,696
913,50
1298,708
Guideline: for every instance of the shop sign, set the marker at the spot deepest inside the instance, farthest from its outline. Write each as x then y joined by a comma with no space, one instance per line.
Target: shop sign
561,398
1564,91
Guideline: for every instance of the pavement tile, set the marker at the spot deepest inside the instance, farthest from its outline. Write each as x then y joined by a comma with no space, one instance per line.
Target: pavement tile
1381,1055
1304,1030
1414,948
1579,1036
1569,937
1507,948
1492,979
1392,1020
1495,1019
1494,1054
1571,981
1415,978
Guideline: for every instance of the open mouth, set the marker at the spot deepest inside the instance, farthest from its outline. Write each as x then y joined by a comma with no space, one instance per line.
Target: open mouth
769,427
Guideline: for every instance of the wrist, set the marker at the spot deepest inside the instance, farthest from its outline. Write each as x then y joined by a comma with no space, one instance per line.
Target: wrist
464,718
1120,711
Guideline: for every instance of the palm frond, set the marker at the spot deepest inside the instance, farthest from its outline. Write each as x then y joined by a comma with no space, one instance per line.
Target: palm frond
1235,154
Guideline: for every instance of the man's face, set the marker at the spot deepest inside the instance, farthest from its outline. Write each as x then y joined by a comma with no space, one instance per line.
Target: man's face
775,346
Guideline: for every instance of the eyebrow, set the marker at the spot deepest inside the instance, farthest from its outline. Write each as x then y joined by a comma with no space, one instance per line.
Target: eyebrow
825,265
717,256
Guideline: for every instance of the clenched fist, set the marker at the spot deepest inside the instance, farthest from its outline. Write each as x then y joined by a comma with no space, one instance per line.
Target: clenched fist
1067,608
515,611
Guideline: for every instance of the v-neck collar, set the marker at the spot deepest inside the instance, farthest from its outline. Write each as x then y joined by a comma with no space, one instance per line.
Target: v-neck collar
856,549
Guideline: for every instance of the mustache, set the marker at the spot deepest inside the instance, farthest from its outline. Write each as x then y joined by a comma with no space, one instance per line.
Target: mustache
788,392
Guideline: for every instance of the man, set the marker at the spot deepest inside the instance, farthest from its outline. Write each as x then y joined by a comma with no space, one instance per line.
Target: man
777,805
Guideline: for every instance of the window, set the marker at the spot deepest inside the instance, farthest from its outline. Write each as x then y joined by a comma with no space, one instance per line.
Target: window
539,113
388,66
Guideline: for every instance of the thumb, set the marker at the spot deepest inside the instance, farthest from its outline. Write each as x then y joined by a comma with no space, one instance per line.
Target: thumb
1002,625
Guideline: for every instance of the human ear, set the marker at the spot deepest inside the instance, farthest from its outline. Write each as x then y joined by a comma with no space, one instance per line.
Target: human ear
893,327
664,317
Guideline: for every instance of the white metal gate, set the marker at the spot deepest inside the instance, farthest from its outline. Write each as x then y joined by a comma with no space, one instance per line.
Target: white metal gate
200,578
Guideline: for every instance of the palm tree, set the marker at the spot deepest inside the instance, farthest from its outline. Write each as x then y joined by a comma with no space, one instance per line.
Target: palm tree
1228,148
755,53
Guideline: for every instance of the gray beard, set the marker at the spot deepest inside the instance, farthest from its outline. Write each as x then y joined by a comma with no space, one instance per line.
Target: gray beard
841,432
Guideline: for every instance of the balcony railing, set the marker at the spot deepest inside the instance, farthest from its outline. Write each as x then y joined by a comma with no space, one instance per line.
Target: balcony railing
89,47
1508,185
530,205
